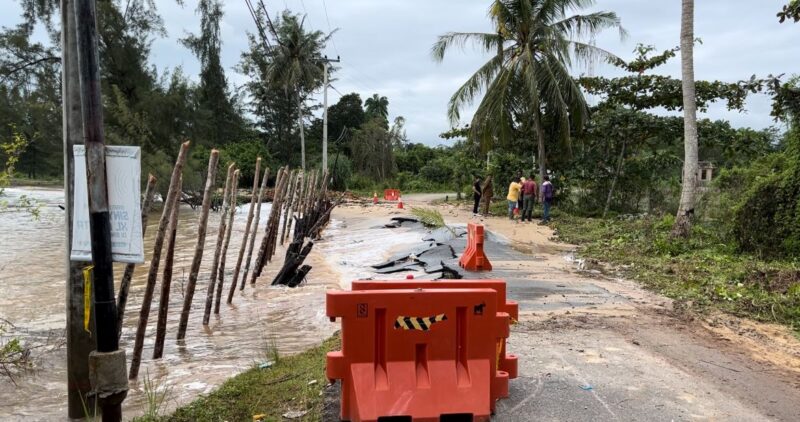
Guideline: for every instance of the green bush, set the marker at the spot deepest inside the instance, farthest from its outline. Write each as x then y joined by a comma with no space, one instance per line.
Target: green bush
766,220
341,171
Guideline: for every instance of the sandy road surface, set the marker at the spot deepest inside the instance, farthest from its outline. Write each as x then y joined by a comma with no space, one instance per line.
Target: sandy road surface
596,348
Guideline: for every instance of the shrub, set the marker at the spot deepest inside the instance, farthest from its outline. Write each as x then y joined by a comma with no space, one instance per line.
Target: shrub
767,220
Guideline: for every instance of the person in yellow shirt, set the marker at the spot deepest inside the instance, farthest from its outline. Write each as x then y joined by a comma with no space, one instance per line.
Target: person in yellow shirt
513,196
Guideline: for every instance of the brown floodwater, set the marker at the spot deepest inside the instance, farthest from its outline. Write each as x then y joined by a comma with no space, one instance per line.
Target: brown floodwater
32,298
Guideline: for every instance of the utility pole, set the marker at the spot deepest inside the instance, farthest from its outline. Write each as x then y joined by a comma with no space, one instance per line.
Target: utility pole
326,62
107,370
79,342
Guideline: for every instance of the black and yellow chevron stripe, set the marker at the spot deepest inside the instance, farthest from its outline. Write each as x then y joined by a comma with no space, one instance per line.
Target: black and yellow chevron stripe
417,323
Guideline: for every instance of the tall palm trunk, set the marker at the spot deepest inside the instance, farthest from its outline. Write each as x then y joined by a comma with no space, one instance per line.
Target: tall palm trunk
302,134
686,208
537,125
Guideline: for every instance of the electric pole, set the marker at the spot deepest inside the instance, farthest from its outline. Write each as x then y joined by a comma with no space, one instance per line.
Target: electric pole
107,371
79,341
326,62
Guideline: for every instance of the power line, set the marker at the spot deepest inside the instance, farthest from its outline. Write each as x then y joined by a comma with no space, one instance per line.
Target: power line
330,29
269,22
258,23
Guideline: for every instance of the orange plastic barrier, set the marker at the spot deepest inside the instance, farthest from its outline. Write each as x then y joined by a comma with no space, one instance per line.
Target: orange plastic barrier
474,259
391,194
418,354
505,362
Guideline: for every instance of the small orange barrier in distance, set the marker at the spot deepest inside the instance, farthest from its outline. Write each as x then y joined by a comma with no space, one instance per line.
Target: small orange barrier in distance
391,194
474,258
505,362
418,354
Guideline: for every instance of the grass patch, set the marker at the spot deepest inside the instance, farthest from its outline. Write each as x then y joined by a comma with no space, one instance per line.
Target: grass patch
288,385
703,271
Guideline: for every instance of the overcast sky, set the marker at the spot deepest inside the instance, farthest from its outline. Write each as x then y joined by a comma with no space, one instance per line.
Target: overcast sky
385,47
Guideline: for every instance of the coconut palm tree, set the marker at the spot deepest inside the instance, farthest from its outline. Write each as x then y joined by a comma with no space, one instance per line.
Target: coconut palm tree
377,106
535,44
690,162
296,64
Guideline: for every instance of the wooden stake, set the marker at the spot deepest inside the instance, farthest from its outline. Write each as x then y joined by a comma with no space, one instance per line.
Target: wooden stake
201,240
293,180
224,256
223,224
144,314
252,245
246,236
166,281
262,257
275,226
125,285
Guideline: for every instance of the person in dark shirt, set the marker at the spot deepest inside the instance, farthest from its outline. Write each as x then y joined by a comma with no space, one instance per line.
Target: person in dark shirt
547,193
529,190
476,195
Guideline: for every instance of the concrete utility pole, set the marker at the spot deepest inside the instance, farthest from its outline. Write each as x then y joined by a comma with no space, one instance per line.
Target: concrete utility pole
326,61
107,364
79,342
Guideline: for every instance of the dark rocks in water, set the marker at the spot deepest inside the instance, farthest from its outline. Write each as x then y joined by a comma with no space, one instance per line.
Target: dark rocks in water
444,235
392,225
401,256
403,266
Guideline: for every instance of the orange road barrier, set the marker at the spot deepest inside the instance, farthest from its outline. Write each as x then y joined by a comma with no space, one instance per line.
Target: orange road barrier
391,194
474,259
506,362
417,354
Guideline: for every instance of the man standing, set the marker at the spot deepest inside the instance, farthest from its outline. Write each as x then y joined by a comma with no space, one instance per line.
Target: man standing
476,195
547,199
513,196
529,189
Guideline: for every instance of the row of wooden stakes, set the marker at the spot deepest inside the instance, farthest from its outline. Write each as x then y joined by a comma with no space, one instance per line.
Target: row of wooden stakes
300,201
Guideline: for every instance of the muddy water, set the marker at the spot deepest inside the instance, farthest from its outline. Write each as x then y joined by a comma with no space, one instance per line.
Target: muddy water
32,297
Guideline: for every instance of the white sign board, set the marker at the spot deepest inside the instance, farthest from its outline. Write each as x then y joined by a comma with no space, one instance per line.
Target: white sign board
123,174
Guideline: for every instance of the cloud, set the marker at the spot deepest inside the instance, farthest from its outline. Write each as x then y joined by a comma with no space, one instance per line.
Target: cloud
385,47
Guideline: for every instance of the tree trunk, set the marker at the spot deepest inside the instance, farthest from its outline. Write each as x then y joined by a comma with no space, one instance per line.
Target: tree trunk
246,236
200,245
125,284
537,123
616,176
683,221
302,134
166,282
252,245
228,230
223,224
170,202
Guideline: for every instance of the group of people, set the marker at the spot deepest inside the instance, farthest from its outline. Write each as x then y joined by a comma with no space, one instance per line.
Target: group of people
522,197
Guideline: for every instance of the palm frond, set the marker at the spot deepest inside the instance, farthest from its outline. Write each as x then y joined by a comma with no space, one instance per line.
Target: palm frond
486,41
476,84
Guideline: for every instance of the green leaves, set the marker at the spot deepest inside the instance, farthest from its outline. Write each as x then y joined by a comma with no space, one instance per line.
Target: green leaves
528,74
